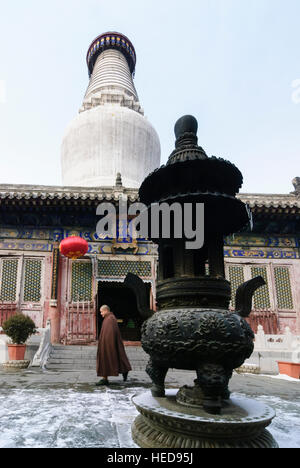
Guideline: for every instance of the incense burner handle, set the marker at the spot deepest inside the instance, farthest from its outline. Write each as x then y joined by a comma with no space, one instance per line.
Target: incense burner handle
137,285
244,294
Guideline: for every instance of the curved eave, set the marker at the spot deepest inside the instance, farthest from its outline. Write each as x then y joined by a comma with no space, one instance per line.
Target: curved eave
272,203
45,193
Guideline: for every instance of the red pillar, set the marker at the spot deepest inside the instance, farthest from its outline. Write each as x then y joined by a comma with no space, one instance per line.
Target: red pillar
54,312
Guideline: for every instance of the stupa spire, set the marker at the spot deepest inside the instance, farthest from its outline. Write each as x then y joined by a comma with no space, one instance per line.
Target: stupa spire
110,134
111,63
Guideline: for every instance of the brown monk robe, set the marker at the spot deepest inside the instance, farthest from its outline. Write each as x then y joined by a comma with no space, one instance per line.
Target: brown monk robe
111,355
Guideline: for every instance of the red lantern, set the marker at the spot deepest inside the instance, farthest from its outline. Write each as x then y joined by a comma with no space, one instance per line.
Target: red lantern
73,247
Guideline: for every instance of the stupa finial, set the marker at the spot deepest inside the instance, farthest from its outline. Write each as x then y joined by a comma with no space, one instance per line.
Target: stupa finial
119,182
111,40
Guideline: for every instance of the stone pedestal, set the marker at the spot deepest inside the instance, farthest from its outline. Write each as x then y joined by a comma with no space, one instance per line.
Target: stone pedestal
164,423
16,364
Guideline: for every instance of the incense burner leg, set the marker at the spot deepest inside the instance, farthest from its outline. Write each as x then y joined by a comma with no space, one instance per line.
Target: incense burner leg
213,380
157,374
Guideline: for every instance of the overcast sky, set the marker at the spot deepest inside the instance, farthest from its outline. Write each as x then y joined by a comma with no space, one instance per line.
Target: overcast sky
233,64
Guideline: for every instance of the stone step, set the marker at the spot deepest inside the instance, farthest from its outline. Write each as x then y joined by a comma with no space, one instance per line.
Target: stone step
59,360
75,355
68,349
72,367
78,367
84,357
60,355
93,351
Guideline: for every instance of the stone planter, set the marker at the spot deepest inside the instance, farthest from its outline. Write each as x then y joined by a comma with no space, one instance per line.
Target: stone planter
16,364
16,352
292,369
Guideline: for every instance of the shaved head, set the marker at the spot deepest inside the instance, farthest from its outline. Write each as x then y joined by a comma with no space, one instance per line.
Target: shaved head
104,310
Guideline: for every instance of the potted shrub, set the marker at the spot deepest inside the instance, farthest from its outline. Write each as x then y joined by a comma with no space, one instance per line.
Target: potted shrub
18,328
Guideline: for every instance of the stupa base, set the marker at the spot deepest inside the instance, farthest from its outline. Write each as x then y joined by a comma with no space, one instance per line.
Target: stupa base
164,423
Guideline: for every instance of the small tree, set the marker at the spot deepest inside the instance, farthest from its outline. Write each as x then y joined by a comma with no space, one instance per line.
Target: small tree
19,328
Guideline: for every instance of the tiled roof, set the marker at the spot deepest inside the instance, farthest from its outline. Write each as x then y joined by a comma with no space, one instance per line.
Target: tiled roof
31,192
42,192
261,200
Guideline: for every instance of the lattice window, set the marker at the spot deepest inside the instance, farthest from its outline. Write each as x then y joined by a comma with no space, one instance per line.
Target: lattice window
32,280
116,268
9,280
261,298
82,285
236,278
283,288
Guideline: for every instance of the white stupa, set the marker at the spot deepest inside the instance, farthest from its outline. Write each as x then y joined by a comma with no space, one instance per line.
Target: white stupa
110,135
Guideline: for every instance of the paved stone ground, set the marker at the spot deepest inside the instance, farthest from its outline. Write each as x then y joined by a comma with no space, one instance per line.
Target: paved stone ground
248,384
47,408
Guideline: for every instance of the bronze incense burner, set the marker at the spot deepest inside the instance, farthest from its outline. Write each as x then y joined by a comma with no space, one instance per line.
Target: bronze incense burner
193,328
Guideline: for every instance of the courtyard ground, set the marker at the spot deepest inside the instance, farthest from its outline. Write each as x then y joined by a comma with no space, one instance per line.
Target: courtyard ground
65,409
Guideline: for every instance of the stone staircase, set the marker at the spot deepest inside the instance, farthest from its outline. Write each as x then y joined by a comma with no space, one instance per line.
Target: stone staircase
81,358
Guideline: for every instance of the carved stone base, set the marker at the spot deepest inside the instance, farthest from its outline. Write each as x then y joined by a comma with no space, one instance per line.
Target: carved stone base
164,423
190,396
16,364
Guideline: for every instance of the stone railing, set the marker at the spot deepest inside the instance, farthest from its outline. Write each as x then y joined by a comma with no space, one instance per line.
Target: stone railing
269,349
286,342
3,346
42,354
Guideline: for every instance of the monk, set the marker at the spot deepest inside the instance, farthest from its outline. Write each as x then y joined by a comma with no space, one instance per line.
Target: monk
111,355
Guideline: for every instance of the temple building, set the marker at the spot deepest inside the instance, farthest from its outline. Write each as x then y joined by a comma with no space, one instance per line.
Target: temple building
107,151
271,249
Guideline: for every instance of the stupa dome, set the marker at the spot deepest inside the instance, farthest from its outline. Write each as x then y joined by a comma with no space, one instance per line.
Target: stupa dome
110,134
